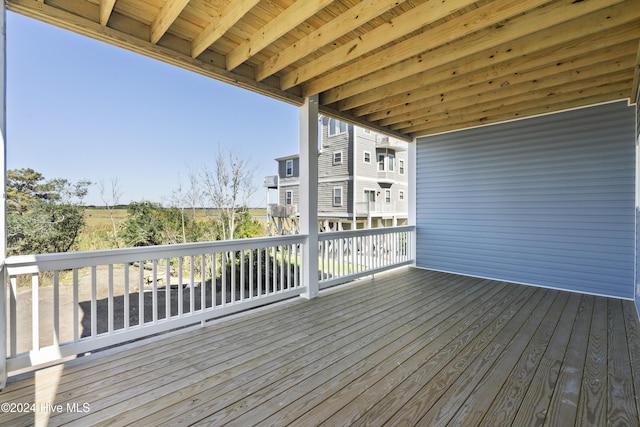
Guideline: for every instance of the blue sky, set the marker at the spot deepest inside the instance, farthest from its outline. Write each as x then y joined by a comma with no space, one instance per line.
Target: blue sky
81,109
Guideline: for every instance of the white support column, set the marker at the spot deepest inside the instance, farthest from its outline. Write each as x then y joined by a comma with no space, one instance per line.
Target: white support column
309,193
411,176
3,194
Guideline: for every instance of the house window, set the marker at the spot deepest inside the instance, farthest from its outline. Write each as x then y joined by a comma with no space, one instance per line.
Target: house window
369,195
401,166
289,167
391,161
337,196
336,127
381,162
288,198
337,157
387,196
401,194
367,157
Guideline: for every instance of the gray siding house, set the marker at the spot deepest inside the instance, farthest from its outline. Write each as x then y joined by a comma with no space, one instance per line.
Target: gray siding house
362,179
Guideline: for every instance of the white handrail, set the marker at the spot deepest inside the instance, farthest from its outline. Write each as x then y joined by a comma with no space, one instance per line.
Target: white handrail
347,255
209,280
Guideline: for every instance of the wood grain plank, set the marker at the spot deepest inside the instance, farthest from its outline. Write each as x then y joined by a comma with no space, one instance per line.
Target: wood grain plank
460,387
564,403
230,359
592,406
329,374
508,399
320,346
199,348
417,18
168,14
423,348
347,21
274,29
621,410
481,396
633,342
379,396
234,11
229,362
422,396
452,31
535,404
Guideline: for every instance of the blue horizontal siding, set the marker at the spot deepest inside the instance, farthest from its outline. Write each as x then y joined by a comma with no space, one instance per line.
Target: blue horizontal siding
548,201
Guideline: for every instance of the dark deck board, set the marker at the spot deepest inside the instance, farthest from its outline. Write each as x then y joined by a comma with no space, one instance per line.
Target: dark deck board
410,347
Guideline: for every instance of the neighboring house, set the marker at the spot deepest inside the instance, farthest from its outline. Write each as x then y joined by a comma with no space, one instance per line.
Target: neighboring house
362,179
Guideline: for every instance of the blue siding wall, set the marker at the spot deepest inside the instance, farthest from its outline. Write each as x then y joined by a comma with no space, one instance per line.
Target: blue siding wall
548,201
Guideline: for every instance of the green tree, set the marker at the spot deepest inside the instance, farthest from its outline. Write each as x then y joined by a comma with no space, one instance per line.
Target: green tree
144,226
43,216
247,226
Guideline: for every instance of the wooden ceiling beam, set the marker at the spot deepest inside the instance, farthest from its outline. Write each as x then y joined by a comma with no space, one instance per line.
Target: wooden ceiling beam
636,79
168,14
483,93
536,99
586,64
521,114
290,18
488,38
522,55
231,14
345,22
523,100
334,84
415,19
106,8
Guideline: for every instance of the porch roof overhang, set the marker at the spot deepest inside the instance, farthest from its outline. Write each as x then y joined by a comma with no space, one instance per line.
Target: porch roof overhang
402,67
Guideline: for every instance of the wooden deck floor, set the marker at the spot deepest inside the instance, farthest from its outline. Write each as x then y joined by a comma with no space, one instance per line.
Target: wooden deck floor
411,347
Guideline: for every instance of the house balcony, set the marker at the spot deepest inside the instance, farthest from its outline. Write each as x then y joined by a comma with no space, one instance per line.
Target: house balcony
409,347
375,208
282,211
383,141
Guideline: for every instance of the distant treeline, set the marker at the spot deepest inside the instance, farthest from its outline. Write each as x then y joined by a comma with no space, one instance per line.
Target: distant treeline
125,207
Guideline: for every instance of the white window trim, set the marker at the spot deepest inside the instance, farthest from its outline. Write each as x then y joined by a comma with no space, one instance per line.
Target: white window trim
333,157
369,190
401,166
286,168
333,124
333,197
382,167
387,196
288,197
400,194
364,159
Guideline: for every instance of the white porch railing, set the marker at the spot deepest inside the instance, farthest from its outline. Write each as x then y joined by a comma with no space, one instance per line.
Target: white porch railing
379,207
65,304
347,255
83,301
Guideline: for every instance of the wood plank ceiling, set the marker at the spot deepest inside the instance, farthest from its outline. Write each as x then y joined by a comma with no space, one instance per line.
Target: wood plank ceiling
405,67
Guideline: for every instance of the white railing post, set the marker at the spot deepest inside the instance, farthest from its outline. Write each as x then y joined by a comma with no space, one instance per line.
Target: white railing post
3,190
309,193
412,174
